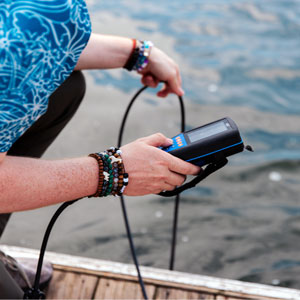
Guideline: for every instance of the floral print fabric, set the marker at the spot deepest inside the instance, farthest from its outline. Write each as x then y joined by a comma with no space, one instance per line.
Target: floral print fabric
40,43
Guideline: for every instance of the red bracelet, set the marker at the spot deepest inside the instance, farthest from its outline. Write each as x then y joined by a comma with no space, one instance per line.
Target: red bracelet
133,56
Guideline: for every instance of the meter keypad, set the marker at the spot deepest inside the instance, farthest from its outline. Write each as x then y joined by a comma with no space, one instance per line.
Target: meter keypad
178,142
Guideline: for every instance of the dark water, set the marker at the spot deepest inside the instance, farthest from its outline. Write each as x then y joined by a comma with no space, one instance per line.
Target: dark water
237,58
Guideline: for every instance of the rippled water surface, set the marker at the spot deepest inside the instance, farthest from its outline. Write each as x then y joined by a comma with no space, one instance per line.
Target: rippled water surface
232,53
237,58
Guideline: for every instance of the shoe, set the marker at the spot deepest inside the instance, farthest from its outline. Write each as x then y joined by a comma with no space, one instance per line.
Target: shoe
23,271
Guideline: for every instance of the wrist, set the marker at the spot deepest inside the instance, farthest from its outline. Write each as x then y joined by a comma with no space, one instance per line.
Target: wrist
139,56
112,178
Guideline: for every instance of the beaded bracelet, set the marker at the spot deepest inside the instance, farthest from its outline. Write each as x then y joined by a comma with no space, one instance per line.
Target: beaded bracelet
107,172
144,54
120,177
138,59
112,176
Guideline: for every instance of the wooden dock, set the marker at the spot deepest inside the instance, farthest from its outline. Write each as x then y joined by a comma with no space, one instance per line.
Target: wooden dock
85,278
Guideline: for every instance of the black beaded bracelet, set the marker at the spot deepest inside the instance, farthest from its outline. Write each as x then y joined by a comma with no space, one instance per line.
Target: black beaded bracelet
121,182
112,176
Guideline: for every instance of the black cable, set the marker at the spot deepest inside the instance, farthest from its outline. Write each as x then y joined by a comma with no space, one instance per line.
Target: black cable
174,233
211,168
35,293
174,230
177,199
121,131
132,248
124,210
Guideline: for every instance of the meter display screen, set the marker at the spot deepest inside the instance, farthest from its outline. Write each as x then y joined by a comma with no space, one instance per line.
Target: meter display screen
207,131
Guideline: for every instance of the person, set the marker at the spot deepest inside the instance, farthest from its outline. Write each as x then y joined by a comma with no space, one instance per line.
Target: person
44,48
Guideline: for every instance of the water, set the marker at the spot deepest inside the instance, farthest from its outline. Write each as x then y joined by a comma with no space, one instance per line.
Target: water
232,53
237,58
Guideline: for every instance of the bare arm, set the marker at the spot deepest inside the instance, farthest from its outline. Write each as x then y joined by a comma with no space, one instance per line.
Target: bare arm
27,183
107,52
104,52
2,156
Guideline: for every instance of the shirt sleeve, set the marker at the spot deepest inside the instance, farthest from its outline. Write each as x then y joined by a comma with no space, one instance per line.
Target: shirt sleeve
40,44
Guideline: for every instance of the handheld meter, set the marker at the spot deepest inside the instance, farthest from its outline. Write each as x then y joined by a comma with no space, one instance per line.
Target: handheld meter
207,143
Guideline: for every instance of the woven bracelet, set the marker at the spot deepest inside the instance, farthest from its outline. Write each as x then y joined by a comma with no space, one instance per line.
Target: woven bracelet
112,176
101,176
133,57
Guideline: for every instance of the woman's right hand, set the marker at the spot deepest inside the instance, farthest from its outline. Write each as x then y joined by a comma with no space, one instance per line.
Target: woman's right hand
152,170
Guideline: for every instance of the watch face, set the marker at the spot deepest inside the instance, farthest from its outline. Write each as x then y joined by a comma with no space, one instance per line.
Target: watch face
208,130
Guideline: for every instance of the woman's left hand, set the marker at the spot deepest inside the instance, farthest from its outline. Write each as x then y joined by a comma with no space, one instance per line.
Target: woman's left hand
162,68
107,52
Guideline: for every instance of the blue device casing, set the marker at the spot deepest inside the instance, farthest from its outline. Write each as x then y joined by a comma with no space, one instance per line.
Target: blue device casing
208,143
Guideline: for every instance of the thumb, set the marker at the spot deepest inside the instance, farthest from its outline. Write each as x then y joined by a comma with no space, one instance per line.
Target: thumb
157,140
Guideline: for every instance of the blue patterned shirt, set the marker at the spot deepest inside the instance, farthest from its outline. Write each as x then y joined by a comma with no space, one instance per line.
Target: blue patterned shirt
40,44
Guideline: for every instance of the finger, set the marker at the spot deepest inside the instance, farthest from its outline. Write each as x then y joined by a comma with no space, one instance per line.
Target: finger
181,167
168,187
179,79
149,80
157,140
176,179
164,92
164,187
175,84
167,89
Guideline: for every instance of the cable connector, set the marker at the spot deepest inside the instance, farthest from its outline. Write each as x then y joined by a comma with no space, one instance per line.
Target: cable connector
34,294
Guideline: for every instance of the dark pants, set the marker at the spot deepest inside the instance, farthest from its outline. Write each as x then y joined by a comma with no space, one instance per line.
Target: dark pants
63,104
8,287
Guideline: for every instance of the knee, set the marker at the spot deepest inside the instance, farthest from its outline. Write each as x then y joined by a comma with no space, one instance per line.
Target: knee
69,94
77,80
74,86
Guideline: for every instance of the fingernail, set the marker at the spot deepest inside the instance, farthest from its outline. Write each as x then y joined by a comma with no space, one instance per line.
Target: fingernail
182,91
170,141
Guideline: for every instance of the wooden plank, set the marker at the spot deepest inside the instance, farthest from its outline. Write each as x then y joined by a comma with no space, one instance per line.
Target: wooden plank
235,295
220,297
147,280
170,293
133,290
121,289
106,289
67,285
204,284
